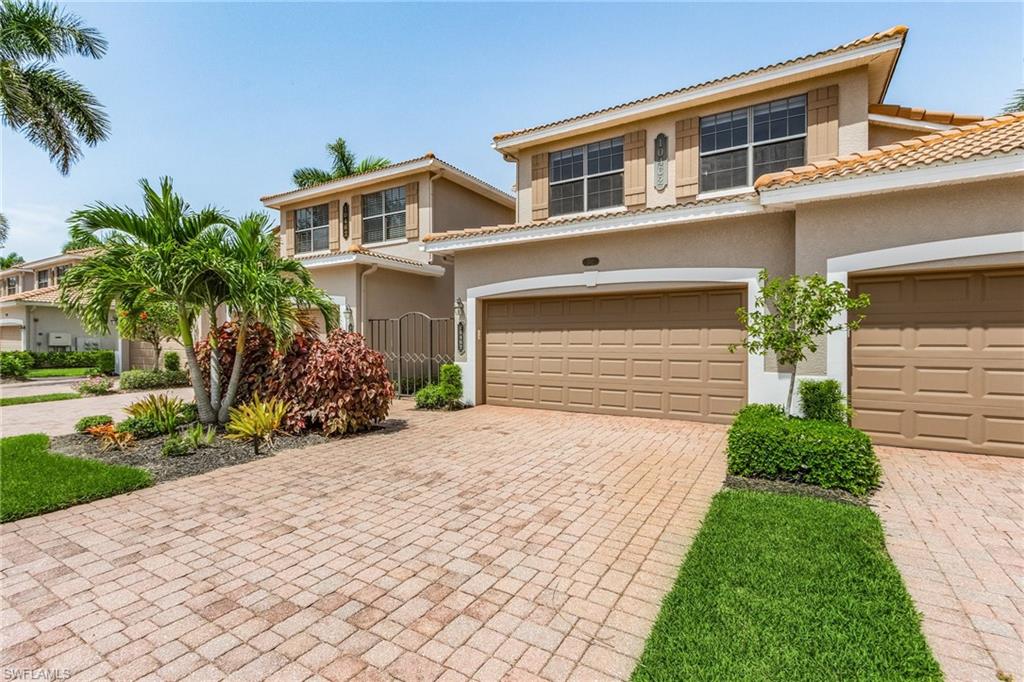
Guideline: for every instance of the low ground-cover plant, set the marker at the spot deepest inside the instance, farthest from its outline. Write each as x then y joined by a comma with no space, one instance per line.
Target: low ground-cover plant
197,436
782,587
824,400
175,446
165,411
764,443
85,423
96,385
13,366
445,394
148,379
256,421
34,481
110,437
140,428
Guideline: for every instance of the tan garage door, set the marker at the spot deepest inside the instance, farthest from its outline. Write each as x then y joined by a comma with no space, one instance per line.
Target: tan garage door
939,361
10,337
658,354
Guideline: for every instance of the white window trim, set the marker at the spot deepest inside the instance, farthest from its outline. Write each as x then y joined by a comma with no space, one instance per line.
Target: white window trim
383,215
325,226
586,179
389,242
839,269
750,145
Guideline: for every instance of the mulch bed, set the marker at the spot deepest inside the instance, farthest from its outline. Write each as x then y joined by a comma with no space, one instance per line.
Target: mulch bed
790,488
146,453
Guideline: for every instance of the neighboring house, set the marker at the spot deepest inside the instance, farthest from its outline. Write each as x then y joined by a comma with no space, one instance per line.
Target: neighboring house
358,236
30,318
641,228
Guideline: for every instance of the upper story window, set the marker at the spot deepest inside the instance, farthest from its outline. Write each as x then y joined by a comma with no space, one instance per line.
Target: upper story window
737,147
42,278
58,272
311,232
11,286
586,178
384,215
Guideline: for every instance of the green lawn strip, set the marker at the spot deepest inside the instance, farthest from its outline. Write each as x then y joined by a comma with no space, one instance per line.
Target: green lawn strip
34,481
43,398
781,587
59,372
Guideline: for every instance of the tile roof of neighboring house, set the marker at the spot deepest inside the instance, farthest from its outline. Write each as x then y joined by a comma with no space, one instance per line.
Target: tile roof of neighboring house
429,156
364,252
495,229
895,31
999,135
917,114
44,295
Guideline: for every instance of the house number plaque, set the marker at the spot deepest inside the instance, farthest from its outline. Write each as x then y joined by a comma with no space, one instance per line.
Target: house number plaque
661,162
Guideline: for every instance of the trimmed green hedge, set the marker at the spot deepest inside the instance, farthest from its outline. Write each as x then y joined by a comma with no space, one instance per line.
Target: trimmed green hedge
764,443
445,394
824,400
102,360
148,379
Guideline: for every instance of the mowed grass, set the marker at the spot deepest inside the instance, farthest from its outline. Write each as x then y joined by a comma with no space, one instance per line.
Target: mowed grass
34,481
42,398
49,372
781,587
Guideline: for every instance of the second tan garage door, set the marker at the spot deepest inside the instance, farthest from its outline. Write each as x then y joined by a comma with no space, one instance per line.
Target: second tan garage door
658,354
939,361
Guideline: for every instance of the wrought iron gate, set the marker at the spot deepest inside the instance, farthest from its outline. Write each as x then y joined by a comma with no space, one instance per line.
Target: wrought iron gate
415,346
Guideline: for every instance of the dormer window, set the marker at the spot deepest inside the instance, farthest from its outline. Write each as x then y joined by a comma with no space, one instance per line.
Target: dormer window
739,146
12,286
586,178
311,231
384,215
42,279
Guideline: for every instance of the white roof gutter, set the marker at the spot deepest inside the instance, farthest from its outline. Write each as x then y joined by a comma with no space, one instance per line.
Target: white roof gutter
426,269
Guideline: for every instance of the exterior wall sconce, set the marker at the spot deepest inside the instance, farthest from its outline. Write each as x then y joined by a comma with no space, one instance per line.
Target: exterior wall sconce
460,329
347,321
344,221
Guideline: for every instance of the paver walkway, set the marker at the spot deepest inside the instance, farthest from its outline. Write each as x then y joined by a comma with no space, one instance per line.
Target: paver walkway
492,543
954,525
59,417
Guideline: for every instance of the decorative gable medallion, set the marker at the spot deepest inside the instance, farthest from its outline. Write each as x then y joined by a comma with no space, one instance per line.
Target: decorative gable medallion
661,162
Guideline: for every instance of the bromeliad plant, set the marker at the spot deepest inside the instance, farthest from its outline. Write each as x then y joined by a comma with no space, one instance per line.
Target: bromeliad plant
109,437
163,410
256,422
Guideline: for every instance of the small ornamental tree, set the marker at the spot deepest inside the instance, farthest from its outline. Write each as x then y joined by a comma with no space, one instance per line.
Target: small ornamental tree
790,314
152,322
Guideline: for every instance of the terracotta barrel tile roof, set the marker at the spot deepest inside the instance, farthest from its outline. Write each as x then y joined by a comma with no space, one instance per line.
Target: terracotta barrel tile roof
362,252
918,114
999,135
578,218
44,295
894,32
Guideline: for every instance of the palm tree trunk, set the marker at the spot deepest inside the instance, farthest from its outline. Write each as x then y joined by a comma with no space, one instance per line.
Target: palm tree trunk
214,361
206,413
236,370
156,356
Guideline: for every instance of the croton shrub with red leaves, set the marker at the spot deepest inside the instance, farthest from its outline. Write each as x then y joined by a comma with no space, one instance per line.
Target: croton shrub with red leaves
335,386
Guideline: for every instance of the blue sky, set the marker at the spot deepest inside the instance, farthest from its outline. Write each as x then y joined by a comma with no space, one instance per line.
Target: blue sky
229,98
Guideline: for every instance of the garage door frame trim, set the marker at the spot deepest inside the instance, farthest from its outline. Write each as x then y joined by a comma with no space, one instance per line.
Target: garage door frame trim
839,269
762,386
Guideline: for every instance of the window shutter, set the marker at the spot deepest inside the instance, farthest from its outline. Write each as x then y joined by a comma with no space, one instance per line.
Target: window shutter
333,227
687,158
289,234
357,219
634,149
539,186
412,211
822,123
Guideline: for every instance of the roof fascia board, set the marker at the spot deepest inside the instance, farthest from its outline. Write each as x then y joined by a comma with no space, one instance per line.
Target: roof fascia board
613,223
908,123
658,106
926,176
348,183
362,259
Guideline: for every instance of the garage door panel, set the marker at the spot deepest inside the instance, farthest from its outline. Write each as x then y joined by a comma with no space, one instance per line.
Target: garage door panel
939,361
655,354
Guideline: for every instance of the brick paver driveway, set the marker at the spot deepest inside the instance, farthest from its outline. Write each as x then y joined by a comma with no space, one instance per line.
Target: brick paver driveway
954,526
493,543
59,417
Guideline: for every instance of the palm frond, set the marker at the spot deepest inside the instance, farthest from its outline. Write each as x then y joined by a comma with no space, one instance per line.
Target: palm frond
1016,102
40,30
372,163
307,177
343,162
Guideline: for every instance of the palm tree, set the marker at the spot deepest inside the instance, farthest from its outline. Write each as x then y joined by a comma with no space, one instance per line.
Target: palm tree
51,109
262,286
1016,102
343,164
10,260
164,252
5,229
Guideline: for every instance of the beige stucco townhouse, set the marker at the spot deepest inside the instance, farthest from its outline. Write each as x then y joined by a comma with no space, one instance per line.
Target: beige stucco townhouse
359,238
640,229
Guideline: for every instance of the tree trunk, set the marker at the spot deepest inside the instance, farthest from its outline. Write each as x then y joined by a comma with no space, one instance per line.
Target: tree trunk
214,362
206,413
156,356
236,371
789,396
